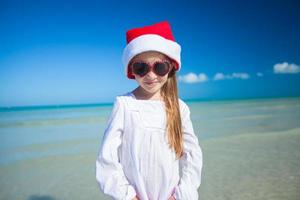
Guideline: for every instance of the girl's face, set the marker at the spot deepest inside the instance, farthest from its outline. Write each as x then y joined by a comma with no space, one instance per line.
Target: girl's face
151,82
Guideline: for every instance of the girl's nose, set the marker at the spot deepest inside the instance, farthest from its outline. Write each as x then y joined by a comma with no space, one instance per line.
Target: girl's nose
151,75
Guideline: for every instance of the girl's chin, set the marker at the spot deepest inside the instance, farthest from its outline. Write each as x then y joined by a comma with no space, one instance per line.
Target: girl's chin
151,90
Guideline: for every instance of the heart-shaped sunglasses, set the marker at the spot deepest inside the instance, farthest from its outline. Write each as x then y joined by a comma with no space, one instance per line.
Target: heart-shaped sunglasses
160,68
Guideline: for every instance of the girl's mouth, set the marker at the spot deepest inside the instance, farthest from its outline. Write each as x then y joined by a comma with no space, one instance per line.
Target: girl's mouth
150,83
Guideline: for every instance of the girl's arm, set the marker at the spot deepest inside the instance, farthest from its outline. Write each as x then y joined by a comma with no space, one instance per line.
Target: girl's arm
190,162
171,198
109,173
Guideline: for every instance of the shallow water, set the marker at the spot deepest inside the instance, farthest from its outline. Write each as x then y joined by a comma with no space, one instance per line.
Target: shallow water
250,150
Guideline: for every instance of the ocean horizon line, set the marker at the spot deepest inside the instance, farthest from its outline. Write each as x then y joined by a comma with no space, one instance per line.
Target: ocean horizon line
81,105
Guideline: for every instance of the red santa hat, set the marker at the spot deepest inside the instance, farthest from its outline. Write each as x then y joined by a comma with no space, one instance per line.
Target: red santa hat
156,37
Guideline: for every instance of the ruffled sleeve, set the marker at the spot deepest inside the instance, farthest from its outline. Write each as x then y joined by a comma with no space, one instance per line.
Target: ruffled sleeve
109,172
191,161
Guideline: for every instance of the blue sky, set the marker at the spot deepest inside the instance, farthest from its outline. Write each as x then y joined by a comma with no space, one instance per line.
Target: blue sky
69,52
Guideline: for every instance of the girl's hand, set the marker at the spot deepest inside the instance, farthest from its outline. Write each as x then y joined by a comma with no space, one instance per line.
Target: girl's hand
135,198
171,198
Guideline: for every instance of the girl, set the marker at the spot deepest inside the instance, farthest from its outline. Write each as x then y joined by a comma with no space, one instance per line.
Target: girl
149,149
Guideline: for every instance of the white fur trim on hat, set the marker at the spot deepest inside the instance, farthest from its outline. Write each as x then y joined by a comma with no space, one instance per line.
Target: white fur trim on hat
151,42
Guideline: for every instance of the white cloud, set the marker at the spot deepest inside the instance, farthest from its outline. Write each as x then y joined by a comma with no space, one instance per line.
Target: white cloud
193,78
259,74
286,68
240,75
221,76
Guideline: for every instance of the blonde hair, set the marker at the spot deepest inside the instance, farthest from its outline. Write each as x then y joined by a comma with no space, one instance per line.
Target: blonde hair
169,94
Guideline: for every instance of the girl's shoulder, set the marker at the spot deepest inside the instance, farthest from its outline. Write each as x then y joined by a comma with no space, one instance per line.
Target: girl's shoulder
182,103
184,108
123,98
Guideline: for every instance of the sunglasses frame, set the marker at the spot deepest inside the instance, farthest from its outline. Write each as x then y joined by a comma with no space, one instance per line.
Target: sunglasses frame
150,67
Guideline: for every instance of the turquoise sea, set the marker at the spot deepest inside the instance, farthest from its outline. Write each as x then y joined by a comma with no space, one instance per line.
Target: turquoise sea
251,150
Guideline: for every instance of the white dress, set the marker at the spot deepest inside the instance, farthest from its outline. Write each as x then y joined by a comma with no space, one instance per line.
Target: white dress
135,159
